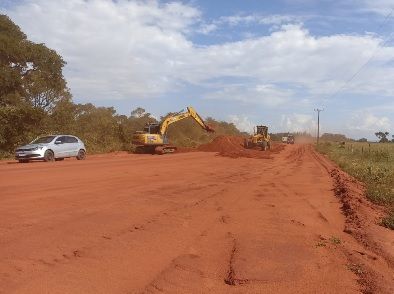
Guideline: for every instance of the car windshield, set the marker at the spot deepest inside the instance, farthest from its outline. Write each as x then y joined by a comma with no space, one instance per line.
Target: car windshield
42,140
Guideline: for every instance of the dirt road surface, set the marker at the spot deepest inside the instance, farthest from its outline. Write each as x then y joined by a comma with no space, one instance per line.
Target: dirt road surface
187,223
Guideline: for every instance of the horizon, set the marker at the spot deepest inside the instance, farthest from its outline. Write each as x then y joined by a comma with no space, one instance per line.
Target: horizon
244,62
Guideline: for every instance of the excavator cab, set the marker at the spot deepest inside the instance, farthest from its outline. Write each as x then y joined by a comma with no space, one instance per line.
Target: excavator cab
152,128
153,139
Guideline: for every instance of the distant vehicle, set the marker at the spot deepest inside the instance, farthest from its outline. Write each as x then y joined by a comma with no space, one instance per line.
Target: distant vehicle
50,148
290,139
284,140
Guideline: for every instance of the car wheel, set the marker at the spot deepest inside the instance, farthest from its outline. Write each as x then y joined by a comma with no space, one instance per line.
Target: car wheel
49,156
81,154
23,160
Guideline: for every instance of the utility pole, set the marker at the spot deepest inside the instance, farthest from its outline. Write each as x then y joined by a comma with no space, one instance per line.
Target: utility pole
318,123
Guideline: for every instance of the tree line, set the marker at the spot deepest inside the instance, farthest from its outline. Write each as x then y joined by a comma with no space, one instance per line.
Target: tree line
35,100
384,137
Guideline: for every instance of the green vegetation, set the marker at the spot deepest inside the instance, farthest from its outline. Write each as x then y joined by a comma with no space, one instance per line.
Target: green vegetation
34,101
335,240
31,83
371,163
188,133
356,268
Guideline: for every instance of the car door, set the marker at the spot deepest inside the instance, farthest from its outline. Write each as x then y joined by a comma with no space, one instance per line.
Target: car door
72,146
60,148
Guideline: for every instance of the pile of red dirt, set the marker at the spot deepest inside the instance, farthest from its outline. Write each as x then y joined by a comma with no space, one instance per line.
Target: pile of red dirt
232,146
223,144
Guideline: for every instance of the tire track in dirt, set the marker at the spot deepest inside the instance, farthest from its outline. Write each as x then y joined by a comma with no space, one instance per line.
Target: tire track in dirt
185,223
374,261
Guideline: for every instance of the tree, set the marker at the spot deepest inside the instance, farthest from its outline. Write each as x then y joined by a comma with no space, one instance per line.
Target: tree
382,136
31,84
139,112
334,137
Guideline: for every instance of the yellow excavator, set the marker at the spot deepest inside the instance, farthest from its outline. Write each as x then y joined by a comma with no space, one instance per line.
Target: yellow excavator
153,139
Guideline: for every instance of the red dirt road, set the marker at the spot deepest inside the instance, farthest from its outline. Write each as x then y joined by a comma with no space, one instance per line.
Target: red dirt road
187,223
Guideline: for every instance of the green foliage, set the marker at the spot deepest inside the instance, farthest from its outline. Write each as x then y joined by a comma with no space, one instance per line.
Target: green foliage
388,221
31,84
34,100
335,240
101,128
187,133
371,163
334,137
382,136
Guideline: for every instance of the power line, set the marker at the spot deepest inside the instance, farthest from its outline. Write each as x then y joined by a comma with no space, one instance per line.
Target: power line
378,47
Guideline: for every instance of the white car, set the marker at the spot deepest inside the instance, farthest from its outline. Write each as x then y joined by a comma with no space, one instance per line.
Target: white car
50,148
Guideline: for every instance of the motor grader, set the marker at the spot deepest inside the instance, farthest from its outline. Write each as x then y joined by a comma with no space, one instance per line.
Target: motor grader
260,138
153,139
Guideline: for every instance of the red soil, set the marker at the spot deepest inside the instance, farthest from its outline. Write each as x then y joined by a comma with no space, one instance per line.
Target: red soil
232,146
190,223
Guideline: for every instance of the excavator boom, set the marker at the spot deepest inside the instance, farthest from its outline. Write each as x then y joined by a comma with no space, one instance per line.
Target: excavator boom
154,137
189,113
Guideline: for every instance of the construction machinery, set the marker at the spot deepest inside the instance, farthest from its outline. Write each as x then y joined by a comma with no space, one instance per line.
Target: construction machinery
290,139
153,139
260,138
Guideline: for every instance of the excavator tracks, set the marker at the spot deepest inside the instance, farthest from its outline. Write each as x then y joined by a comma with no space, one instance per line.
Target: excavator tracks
165,149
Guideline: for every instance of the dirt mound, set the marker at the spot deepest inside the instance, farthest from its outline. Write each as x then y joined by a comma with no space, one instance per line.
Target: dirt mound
232,146
223,144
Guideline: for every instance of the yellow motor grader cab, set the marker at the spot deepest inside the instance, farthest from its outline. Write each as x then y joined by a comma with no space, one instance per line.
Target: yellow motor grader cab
260,138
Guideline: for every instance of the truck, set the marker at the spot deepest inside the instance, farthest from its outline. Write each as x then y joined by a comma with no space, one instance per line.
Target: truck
290,139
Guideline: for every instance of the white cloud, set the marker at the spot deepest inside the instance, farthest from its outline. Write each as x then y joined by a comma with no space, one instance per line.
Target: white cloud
116,49
135,49
275,19
367,121
207,28
264,94
297,122
242,122
377,6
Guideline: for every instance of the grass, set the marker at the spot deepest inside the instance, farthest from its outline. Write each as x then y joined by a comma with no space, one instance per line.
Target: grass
335,240
371,163
356,268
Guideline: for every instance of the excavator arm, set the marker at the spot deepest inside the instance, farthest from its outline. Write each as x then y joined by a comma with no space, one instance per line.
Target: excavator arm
180,116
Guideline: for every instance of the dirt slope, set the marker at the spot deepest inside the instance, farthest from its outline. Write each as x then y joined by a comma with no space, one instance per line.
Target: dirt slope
185,223
232,146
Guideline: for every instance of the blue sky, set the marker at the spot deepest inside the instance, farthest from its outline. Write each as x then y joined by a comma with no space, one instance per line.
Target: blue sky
248,62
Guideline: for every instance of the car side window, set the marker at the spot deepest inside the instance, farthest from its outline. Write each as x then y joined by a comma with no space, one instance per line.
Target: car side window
62,139
71,139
